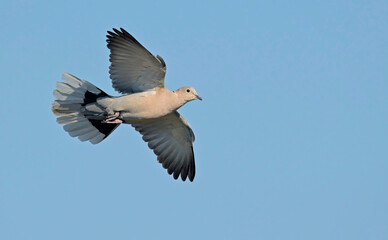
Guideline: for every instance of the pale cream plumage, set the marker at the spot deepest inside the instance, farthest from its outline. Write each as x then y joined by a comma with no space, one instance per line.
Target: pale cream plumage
91,115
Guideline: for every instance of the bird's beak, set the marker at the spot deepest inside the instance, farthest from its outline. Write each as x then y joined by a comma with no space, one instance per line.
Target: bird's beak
198,97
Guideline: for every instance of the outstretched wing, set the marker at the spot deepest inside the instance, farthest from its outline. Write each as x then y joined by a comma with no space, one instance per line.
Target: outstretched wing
133,68
172,139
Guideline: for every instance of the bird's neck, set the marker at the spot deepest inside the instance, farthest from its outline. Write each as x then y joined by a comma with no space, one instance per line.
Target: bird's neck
179,101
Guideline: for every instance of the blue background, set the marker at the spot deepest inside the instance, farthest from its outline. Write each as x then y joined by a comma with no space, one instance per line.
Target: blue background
292,136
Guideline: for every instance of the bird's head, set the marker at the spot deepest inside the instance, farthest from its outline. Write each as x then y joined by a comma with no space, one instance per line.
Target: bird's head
188,94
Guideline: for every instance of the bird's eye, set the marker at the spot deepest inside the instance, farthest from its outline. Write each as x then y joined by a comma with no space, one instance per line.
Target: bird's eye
188,90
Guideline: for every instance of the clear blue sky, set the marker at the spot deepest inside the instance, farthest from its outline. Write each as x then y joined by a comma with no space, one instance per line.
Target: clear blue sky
292,135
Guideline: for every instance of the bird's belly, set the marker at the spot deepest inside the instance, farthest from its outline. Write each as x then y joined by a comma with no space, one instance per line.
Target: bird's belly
139,111
141,106
131,117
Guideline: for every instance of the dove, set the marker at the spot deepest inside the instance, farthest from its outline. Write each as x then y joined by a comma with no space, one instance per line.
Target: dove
90,114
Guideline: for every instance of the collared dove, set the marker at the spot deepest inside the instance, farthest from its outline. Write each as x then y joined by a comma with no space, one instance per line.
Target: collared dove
90,114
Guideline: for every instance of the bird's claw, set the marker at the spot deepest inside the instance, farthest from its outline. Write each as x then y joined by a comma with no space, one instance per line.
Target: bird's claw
113,118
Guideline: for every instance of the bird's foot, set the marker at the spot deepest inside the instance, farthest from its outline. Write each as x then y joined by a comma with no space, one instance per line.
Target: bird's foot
116,121
113,118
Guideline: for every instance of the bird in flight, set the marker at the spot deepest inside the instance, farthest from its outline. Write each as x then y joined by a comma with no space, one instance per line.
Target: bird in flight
90,114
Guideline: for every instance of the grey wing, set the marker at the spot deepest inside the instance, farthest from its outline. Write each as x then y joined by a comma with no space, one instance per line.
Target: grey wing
133,68
171,139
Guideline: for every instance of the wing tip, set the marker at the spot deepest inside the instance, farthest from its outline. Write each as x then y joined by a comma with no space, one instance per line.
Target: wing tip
186,172
122,33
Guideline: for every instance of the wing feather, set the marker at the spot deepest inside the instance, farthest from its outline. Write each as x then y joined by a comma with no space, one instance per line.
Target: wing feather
133,68
171,139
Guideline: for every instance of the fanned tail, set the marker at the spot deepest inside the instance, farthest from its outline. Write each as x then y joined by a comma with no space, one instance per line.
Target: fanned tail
71,95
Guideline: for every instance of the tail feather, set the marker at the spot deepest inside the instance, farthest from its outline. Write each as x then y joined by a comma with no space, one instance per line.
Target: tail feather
71,95
70,118
89,135
72,127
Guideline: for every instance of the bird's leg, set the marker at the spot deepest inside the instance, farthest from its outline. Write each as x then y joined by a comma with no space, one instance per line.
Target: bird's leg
113,118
